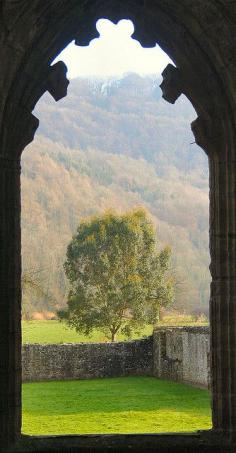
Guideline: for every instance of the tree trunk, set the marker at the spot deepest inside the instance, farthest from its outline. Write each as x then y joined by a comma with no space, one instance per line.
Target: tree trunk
160,314
113,336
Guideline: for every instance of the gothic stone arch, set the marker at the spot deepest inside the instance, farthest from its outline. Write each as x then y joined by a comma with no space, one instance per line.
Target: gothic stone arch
199,35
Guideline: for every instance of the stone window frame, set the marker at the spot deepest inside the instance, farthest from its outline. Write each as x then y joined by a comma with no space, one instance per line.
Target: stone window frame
198,37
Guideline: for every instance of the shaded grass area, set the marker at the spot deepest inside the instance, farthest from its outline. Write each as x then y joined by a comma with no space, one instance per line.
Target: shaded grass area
114,405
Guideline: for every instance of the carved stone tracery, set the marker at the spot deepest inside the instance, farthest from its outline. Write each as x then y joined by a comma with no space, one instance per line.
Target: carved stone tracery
199,36
57,82
172,85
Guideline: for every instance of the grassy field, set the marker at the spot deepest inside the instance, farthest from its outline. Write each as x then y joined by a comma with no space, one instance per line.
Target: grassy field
55,332
118,405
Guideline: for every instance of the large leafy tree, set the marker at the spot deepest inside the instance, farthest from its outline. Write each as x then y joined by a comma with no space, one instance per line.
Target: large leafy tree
118,279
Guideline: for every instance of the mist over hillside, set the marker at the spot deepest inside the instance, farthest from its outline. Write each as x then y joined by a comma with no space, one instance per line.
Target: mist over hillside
115,144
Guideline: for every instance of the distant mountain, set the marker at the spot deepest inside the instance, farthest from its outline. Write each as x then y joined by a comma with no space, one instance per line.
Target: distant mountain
115,143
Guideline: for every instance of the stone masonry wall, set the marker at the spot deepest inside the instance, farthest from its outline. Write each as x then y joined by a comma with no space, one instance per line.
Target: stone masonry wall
87,360
182,354
174,353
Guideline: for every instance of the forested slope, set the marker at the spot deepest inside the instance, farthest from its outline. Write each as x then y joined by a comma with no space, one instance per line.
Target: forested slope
114,144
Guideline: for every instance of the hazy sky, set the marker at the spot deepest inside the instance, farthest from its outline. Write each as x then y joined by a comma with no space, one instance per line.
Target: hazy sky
113,54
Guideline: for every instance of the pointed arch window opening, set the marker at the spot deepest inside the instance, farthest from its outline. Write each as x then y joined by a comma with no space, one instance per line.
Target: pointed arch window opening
58,89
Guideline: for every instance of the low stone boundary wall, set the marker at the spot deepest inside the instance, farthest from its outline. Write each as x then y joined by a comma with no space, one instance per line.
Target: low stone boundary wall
174,353
182,354
87,360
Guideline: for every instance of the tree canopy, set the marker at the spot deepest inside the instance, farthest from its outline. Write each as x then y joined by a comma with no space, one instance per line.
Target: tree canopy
118,279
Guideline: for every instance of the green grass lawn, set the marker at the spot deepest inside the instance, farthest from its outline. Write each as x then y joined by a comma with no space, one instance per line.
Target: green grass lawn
118,405
56,332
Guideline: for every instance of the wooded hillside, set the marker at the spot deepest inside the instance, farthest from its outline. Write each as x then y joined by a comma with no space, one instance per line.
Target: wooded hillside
114,144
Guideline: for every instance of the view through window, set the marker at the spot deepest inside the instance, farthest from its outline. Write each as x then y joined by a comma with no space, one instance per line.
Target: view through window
114,149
